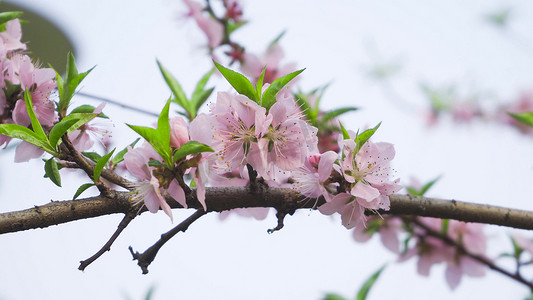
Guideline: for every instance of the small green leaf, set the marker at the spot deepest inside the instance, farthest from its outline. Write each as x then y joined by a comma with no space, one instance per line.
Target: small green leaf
526,118
101,164
51,170
345,134
37,128
95,157
364,136
200,94
70,83
159,138
191,147
259,84
85,109
155,163
120,156
269,96
332,296
365,288
303,102
23,133
175,87
427,186
444,229
337,112
238,81
277,39
82,189
59,129
9,15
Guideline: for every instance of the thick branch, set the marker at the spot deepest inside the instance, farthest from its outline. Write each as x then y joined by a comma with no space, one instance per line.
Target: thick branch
221,199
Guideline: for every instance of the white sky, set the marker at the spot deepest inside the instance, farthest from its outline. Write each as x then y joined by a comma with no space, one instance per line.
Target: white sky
438,42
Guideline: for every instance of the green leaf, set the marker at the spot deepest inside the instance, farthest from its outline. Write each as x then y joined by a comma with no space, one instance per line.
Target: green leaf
101,164
364,136
120,156
238,81
155,163
444,229
59,129
277,39
191,147
303,102
23,133
427,186
332,296
345,134
175,87
68,86
37,128
82,189
201,99
82,120
269,96
159,138
259,84
87,109
9,15
337,112
95,157
200,94
51,170
365,288
526,118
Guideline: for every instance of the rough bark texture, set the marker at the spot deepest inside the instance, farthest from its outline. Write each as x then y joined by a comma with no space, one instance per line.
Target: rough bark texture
220,199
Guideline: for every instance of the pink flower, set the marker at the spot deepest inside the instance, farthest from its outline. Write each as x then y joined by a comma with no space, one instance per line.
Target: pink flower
40,82
288,139
311,178
213,29
252,65
236,126
432,250
149,189
389,229
10,38
524,243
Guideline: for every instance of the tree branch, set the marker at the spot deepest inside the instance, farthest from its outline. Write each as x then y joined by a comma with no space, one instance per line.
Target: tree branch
121,226
145,259
226,198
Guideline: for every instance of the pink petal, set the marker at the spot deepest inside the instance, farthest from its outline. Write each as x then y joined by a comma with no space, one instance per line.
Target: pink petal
175,191
326,164
365,191
453,275
26,151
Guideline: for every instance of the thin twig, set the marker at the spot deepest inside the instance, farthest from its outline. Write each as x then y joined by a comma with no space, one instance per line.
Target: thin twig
121,226
145,259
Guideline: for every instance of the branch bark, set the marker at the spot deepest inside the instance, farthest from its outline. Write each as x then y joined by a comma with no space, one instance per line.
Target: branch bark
226,198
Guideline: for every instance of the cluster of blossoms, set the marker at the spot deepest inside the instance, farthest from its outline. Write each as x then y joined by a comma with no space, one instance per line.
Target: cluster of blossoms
19,73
